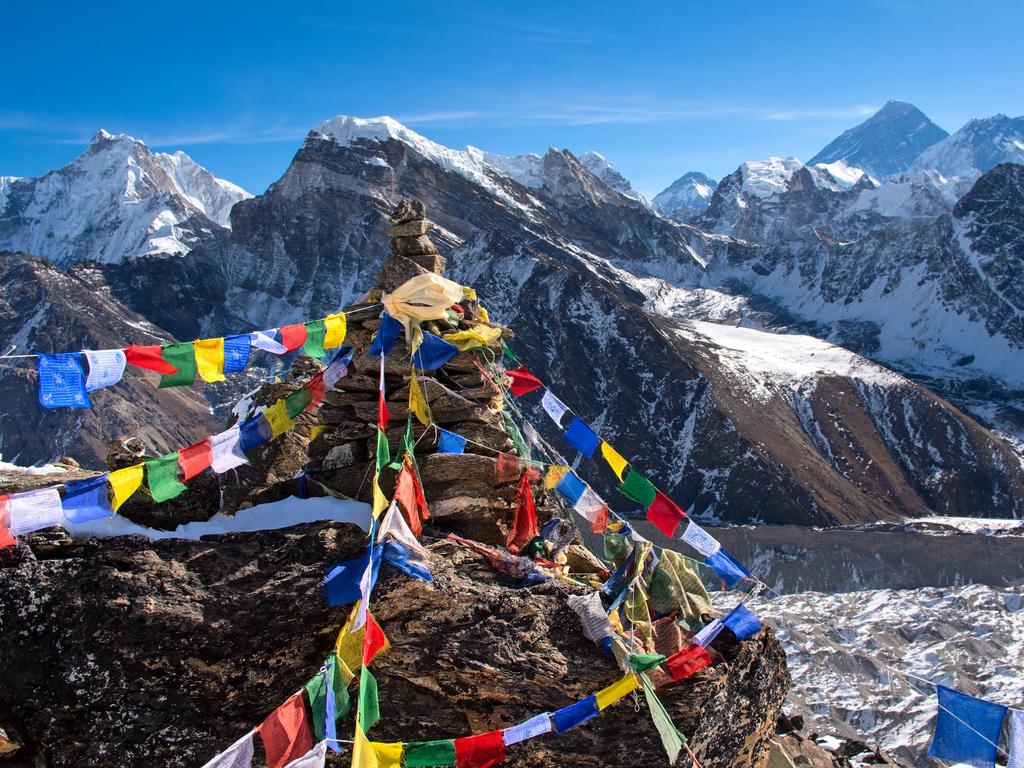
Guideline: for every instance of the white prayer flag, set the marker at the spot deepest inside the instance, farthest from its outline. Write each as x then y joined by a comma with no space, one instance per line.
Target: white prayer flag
596,626
106,367
334,372
227,450
265,340
238,755
313,759
394,525
1016,739
364,594
708,634
33,510
701,540
589,505
555,408
535,726
532,436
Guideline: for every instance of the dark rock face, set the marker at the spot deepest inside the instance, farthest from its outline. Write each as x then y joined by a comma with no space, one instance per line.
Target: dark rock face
169,651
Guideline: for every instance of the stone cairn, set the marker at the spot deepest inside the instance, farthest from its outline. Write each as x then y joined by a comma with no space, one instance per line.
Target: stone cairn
473,493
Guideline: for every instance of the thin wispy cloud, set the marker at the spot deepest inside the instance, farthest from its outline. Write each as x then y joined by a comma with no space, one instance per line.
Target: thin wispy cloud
440,117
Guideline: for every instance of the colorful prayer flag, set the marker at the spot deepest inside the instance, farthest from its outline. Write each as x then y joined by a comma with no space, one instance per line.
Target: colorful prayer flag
417,402
148,357
638,488
665,514
182,357
707,635
575,714
375,641
389,754
743,622
554,476
210,359
369,703
410,498
238,755
480,751
162,478
700,539
236,353
423,754
292,336
593,508
386,335
297,401
472,338
596,626
524,524
522,381
335,329
313,345
728,568
316,691
195,459
315,758
571,488
124,482
671,739
253,432
687,661
285,733
226,450
278,419
265,340
537,725
614,459
554,407
341,584
582,437
449,442
33,510
106,368
86,500
62,381
1016,759
967,729
617,690
433,352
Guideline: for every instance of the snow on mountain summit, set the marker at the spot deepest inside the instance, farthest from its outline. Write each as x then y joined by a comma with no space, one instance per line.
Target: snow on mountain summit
686,197
116,199
976,148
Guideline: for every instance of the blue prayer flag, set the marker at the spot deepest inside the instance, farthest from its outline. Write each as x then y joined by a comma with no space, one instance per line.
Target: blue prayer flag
253,432
727,567
571,488
398,555
86,500
434,352
967,729
62,381
581,437
451,442
341,584
743,622
575,714
330,729
386,336
236,353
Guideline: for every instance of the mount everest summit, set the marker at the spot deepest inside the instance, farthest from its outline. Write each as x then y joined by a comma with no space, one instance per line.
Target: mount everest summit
788,351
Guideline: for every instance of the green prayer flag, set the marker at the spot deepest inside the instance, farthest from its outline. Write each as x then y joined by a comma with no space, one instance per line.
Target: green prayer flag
314,344
383,450
509,353
641,662
616,547
429,753
369,706
671,738
638,488
296,402
517,438
162,477
182,357
316,689
409,445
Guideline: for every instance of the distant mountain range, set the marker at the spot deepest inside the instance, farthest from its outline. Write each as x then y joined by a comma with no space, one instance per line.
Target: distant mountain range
733,338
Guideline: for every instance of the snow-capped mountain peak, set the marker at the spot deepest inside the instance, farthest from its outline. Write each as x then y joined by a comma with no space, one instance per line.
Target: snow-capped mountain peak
686,197
598,165
116,199
976,148
886,143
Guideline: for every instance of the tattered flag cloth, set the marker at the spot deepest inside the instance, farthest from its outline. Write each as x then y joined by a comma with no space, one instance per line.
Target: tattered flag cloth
554,407
450,442
86,500
106,367
421,754
316,690
418,404
728,568
743,622
368,706
409,495
524,525
593,509
393,525
480,751
670,737
285,733
407,561
238,755
253,432
210,359
236,353
149,358
522,381
687,661
162,478
265,340
433,352
575,714
424,297
700,539
472,338
33,510
967,729
1016,739
62,381
537,725
315,758
665,514
596,626
386,335
581,437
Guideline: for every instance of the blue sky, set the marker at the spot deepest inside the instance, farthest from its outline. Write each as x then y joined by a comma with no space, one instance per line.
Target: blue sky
660,89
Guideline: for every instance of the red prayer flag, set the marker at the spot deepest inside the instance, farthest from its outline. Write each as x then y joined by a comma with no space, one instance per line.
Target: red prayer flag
293,336
523,381
374,640
410,498
480,751
6,539
195,459
383,414
687,661
506,468
149,358
524,525
664,513
285,733
316,388
600,521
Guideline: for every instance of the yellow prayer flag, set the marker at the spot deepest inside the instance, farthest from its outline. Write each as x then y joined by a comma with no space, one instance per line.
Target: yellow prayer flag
380,501
363,753
483,314
417,402
125,482
349,647
335,328
481,336
210,359
608,696
316,431
614,459
278,419
554,476
389,754
468,293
